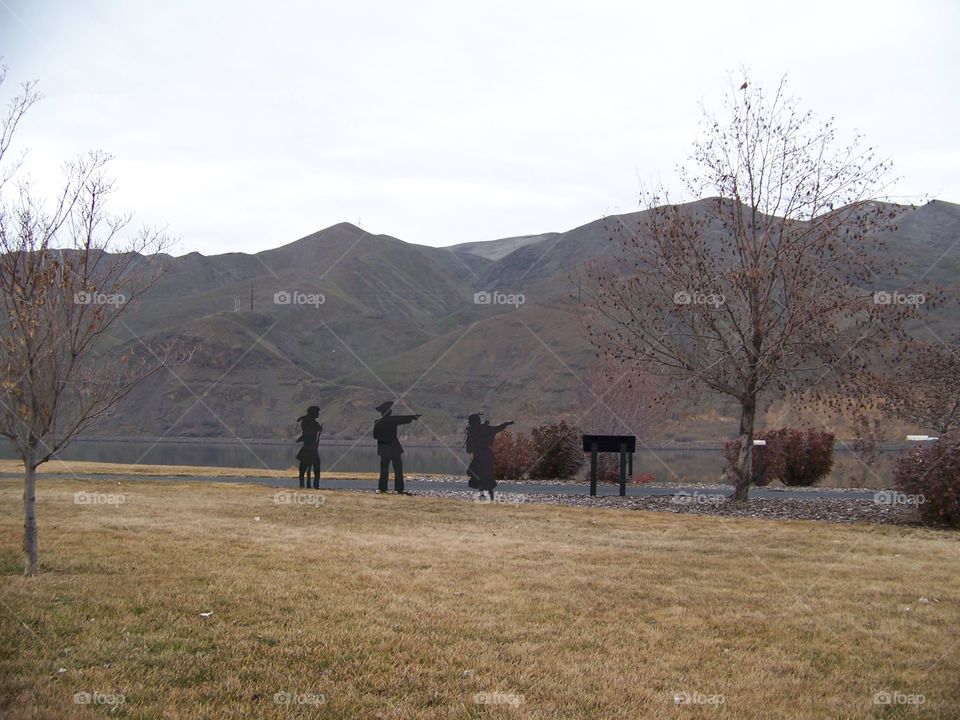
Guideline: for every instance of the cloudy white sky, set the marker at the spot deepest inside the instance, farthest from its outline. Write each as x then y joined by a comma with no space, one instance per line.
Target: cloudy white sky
243,126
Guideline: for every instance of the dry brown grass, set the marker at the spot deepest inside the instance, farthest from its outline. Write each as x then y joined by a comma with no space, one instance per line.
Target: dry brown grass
400,607
84,467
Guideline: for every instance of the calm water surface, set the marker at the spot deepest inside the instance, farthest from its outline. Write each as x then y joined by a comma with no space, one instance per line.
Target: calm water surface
665,465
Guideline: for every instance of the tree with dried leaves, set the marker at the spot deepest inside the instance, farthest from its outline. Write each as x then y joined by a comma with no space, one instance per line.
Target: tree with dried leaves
925,389
66,279
760,289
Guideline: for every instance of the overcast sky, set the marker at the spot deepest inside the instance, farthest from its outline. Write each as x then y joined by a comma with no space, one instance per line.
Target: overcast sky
243,126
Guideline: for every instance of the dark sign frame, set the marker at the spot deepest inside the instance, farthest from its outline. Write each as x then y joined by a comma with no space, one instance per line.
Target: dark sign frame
626,445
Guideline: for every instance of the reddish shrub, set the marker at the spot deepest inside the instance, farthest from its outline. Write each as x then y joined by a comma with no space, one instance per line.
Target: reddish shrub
513,454
930,478
795,457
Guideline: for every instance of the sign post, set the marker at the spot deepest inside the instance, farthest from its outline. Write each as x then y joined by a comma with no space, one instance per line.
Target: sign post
625,445
593,469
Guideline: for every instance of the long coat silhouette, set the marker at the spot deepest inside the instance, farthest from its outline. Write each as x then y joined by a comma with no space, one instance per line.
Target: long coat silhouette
389,448
309,454
478,441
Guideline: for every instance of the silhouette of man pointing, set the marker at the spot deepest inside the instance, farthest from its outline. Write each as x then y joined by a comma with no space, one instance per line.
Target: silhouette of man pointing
388,445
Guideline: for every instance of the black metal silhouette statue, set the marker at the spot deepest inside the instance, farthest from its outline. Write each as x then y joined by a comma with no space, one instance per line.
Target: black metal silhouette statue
309,455
388,446
478,440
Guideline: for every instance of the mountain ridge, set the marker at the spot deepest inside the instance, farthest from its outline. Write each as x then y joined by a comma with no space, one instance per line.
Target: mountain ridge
400,319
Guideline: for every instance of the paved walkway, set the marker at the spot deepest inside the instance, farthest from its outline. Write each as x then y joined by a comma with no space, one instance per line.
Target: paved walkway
503,487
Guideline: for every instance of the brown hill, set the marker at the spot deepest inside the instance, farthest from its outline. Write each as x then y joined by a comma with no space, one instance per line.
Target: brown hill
399,319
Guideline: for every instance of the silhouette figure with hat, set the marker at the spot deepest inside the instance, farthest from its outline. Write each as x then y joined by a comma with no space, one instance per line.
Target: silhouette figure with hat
309,455
478,441
388,445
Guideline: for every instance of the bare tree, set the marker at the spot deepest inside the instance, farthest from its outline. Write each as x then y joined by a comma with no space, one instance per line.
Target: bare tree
620,399
65,281
761,288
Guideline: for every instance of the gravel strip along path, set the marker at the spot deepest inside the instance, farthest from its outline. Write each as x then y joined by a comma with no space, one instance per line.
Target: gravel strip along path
824,509
840,505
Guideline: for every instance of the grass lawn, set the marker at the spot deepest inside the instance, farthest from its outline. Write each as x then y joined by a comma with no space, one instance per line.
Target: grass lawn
370,606
86,467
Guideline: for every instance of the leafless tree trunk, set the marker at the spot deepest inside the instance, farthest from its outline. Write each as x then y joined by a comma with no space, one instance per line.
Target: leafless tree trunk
31,545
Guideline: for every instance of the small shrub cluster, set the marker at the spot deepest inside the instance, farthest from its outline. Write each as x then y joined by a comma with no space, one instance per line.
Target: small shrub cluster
513,454
551,451
559,448
932,475
794,457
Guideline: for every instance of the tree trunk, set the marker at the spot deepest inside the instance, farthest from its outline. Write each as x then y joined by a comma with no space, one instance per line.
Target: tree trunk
744,469
31,550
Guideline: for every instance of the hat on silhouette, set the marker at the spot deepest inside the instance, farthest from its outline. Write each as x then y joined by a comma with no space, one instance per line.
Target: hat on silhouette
383,407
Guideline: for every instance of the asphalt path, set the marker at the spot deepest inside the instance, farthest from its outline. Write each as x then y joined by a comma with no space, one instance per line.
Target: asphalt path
414,486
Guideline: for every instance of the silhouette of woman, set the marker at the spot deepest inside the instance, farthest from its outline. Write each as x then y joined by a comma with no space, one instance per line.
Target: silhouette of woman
309,455
478,441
